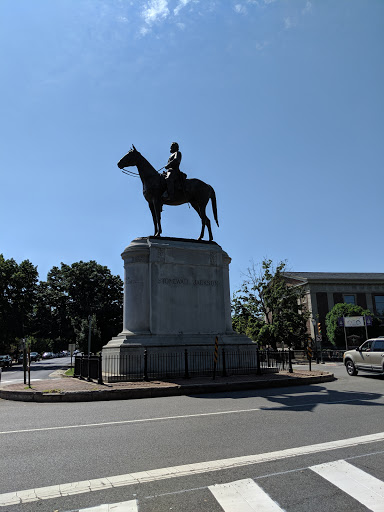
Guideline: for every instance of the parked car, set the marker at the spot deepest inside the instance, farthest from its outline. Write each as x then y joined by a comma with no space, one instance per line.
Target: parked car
20,358
47,355
369,357
35,356
5,361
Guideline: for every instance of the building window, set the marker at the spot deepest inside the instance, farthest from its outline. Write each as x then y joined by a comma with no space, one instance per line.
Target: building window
379,305
349,299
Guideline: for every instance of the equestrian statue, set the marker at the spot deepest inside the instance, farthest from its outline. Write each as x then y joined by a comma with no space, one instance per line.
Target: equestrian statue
171,188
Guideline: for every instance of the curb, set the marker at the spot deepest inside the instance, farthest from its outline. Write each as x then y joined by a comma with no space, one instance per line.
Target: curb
138,393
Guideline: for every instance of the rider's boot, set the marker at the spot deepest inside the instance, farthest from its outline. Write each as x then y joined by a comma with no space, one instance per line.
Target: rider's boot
169,194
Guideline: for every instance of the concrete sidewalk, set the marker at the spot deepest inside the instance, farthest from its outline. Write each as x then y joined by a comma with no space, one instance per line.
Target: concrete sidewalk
69,389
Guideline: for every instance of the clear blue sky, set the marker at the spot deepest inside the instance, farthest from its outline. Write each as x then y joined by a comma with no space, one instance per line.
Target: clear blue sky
278,104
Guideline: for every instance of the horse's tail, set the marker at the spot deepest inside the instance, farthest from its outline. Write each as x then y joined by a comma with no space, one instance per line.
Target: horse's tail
214,206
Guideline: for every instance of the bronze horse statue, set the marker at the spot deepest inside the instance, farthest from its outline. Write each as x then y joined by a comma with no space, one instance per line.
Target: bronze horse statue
192,191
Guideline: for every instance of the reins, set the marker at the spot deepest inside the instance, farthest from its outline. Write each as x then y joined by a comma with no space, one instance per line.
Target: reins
130,173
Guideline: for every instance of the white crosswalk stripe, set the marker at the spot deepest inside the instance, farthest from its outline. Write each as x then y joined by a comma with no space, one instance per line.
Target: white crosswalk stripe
124,506
185,470
365,488
243,496
238,496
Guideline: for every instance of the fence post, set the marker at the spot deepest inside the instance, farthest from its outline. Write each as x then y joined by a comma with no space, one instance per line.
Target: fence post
290,370
186,372
146,364
258,367
81,367
267,357
100,379
224,365
283,360
74,369
89,368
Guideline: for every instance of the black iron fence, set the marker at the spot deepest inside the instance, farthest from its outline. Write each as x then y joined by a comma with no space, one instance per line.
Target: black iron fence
88,367
153,364
317,355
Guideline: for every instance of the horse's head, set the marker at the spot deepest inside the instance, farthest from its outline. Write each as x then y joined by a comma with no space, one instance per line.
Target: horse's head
129,159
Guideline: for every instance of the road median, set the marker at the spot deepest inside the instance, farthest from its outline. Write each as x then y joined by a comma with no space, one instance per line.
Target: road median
69,389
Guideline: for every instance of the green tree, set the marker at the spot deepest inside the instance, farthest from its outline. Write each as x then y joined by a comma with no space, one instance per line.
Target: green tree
69,295
18,288
268,310
336,334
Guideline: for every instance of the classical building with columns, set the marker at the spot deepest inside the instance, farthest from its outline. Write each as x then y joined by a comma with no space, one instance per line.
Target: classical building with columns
325,289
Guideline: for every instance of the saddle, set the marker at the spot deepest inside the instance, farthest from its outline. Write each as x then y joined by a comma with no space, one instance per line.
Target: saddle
179,181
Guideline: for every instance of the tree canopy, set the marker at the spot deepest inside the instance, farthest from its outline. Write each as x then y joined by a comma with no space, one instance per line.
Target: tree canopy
268,309
336,334
55,312
70,295
18,289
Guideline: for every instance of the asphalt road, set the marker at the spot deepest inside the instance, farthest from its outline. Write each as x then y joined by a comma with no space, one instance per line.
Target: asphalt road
40,370
198,443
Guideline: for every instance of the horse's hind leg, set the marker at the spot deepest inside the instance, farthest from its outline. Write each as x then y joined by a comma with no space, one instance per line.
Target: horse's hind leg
197,207
204,220
208,223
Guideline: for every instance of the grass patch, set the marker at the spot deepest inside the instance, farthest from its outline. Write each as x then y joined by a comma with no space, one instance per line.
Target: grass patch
70,372
52,391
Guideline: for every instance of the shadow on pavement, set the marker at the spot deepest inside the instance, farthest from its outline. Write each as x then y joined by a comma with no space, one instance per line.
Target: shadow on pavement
295,399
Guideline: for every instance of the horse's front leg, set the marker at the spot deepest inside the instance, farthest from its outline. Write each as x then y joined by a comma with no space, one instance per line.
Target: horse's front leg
157,218
152,208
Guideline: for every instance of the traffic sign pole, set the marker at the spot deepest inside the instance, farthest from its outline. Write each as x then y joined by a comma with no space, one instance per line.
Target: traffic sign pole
309,353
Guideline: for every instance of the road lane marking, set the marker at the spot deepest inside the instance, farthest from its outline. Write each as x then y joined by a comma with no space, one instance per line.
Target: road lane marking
54,491
243,496
15,381
123,506
181,417
364,488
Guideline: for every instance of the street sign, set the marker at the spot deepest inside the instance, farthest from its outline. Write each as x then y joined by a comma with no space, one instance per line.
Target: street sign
71,348
368,320
354,321
319,337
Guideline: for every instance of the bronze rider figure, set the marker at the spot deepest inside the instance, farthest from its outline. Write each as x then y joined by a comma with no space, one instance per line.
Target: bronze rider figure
172,171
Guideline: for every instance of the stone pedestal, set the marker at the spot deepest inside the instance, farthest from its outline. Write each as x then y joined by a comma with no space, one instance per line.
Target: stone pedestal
176,296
